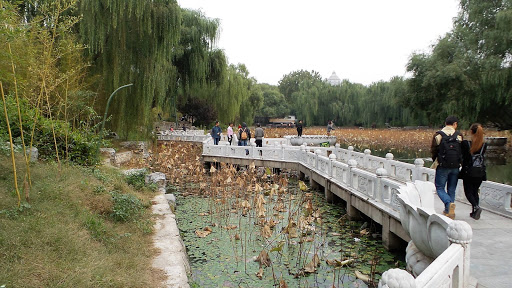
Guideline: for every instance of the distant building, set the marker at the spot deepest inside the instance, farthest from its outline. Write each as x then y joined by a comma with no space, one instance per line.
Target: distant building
334,80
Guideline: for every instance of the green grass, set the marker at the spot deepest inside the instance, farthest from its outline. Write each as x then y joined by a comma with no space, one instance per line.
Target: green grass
68,235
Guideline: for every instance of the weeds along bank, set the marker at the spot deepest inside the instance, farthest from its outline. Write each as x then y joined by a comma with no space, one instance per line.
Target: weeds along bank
83,227
254,228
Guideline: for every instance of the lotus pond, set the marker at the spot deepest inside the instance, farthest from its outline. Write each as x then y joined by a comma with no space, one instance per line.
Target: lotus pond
253,228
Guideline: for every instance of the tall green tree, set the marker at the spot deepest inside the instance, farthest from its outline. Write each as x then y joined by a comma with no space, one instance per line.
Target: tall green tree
274,104
132,41
469,71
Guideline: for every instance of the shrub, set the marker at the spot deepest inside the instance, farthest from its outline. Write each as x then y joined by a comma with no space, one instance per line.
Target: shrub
82,142
126,207
137,180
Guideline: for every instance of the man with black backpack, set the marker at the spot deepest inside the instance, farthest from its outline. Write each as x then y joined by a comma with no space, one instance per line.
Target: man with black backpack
447,157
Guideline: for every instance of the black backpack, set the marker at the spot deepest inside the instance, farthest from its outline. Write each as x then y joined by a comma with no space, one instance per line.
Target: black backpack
449,155
477,169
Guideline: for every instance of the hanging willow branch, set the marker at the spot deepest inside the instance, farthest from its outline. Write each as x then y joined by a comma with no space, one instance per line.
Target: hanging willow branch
12,146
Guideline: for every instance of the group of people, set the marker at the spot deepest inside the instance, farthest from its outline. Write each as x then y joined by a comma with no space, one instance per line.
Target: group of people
455,158
242,137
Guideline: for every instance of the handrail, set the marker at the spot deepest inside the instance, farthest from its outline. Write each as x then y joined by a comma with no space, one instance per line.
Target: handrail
494,196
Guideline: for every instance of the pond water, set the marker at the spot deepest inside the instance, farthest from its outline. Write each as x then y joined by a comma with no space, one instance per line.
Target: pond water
499,165
275,231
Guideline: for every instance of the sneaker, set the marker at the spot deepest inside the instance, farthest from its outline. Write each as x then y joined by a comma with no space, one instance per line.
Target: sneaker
477,213
451,212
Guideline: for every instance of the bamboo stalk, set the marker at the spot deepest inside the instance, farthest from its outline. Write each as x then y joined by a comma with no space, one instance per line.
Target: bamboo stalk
52,125
12,146
66,117
26,188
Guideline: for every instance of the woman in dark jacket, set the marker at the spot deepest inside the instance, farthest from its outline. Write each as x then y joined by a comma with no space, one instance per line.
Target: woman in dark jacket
473,177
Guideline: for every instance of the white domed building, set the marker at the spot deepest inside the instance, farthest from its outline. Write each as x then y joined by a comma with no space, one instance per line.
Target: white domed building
334,80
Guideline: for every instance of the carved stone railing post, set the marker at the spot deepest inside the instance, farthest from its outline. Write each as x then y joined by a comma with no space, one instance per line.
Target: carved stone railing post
366,162
352,164
460,232
418,164
352,212
337,150
253,150
387,165
397,278
381,173
350,152
332,157
317,154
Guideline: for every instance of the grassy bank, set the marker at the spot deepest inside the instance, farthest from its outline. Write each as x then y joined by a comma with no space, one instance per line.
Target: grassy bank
81,228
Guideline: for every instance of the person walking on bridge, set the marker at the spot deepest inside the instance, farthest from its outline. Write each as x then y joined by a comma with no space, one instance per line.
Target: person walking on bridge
447,157
230,133
216,130
473,167
299,128
258,135
330,127
244,135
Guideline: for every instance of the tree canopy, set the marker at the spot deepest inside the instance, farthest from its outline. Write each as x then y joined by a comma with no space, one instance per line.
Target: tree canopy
469,70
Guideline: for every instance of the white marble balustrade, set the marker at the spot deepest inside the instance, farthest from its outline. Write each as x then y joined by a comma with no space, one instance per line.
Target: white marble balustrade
493,196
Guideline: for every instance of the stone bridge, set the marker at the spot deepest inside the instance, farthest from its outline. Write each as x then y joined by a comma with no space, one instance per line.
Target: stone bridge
389,192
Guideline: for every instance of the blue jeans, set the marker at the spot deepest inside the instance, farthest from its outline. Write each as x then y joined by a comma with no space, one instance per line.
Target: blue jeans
243,143
446,177
216,141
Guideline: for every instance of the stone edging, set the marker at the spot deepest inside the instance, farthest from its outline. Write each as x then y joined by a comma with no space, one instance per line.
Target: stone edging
172,258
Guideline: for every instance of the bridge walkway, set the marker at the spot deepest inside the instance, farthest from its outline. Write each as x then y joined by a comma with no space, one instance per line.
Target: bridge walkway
491,247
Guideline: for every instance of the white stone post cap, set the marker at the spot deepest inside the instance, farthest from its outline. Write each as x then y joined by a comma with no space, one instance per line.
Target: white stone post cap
397,278
459,232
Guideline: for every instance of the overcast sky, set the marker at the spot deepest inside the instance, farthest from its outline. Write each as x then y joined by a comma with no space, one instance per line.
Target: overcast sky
364,41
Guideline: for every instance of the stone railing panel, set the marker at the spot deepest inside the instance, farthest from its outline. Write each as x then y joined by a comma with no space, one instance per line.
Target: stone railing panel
359,157
310,159
496,197
426,174
363,181
374,162
400,170
389,192
323,164
291,154
445,271
343,155
340,172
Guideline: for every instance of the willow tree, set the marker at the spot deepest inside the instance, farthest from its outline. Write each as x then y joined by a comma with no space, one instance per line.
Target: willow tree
204,75
132,41
469,72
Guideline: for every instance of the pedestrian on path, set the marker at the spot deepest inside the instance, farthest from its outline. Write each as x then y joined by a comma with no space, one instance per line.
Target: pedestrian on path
330,127
216,130
238,132
230,133
447,157
473,167
299,128
258,135
244,135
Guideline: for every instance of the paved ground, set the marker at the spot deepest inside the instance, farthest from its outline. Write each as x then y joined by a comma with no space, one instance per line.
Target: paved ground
491,248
